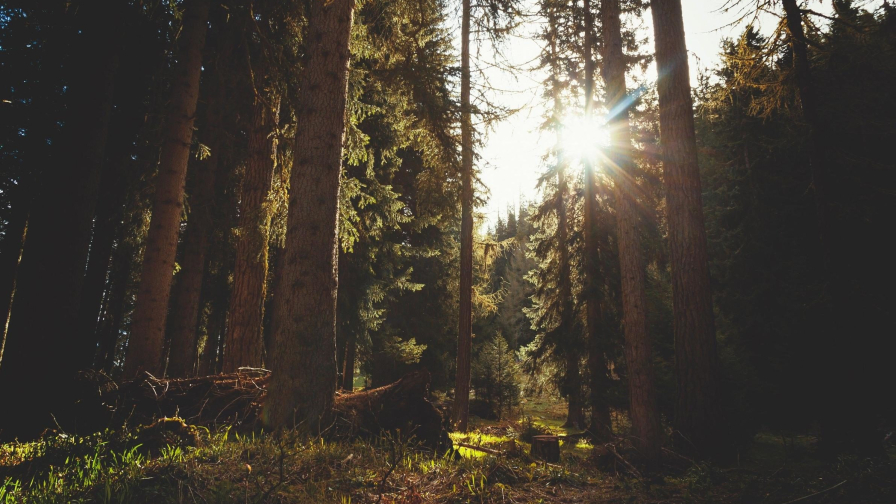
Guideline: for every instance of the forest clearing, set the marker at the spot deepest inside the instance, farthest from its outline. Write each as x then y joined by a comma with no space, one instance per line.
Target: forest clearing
447,251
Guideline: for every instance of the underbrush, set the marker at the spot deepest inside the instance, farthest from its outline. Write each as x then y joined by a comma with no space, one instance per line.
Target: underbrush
222,466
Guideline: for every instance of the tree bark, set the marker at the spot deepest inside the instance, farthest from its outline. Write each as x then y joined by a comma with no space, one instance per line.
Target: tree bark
638,352
348,363
39,351
465,322
10,255
575,416
245,341
303,384
600,426
147,336
187,291
108,218
697,412
114,306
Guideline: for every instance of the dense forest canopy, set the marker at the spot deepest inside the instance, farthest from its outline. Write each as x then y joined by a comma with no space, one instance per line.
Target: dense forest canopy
198,191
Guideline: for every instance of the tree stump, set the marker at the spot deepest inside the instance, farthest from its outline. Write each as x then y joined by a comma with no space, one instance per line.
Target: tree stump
546,448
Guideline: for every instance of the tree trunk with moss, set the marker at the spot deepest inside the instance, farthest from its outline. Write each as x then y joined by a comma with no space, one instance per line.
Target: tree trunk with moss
245,342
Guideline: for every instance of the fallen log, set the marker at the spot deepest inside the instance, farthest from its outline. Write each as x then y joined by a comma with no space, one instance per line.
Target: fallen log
236,399
480,448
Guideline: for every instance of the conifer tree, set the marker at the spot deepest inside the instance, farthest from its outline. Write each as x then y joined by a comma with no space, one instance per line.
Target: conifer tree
638,348
465,312
596,335
303,384
697,415
147,335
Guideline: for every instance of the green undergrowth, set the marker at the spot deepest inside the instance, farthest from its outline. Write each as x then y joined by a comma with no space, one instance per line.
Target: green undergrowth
226,467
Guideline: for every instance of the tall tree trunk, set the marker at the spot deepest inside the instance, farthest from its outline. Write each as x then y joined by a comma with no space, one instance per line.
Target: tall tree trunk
214,330
697,412
39,352
10,254
114,306
638,353
147,336
245,341
465,322
187,291
108,219
303,383
600,426
348,363
571,381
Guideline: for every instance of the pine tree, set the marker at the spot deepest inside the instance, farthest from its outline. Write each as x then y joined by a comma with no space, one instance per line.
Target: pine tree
600,426
303,384
465,313
148,327
697,416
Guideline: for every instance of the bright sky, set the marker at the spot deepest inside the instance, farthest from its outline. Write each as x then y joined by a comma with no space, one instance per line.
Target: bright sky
511,159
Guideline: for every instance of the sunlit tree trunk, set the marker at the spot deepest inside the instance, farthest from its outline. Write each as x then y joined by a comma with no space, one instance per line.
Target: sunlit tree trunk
600,426
638,353
245,342
147,336
465,323
303,383
697,412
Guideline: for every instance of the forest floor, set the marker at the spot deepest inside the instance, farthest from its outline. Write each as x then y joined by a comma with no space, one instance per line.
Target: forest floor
225,467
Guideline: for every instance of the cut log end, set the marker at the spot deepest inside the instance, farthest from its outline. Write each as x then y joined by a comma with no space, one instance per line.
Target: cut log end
546,448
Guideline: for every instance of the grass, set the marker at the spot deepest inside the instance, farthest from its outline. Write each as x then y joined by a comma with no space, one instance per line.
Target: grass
225,467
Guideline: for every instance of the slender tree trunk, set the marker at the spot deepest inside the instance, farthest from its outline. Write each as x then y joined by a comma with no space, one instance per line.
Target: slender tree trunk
575,416
638,353
148,327
245,341
575,408
348,364
108,219
697,412
38,355
187,291
465,323
114,306
214,329
600,426
303,383
10,255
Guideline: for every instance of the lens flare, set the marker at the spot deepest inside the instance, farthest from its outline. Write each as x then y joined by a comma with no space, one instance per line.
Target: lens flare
583,138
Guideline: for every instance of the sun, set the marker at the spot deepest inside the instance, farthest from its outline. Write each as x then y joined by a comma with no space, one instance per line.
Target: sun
583,138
